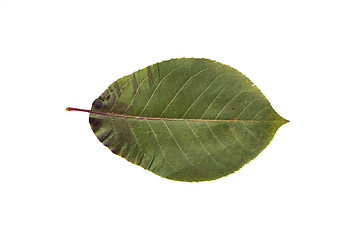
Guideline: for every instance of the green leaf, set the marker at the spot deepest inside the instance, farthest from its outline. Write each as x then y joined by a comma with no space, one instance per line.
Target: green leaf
185,119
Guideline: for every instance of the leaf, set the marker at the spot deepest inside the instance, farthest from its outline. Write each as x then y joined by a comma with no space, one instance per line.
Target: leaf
185,119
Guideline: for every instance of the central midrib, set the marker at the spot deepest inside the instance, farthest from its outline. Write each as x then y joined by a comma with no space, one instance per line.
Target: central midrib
179,119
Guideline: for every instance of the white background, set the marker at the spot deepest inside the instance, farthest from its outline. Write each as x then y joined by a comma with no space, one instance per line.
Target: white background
57,181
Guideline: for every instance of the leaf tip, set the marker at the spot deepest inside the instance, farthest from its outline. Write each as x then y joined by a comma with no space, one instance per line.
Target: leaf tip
285,121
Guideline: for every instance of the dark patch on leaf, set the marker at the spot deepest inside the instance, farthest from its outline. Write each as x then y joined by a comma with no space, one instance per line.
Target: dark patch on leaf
150,76
105,101
117,88
152,160
121,107
116,149
103,135
94,123
121,137
97,104
139,158
104,96
130,157
109,141
158,68
134,83
125,152
119,141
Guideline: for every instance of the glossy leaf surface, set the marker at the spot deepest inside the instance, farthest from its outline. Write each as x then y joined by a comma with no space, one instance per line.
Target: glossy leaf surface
185,119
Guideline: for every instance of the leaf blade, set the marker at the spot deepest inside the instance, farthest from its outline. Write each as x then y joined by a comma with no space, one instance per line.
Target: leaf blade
186,119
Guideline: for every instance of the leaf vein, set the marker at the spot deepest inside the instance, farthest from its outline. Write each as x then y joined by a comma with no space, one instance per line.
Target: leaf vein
202,94
202,145
217,139
182,87
233,132
173,137
133,133
137,90
212,103
117,98
158,143
245,108
157,87
231,101
252,133
260,112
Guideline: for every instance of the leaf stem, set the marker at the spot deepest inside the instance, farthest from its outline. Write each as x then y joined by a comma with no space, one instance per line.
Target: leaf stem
94,112
77,109
89,111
